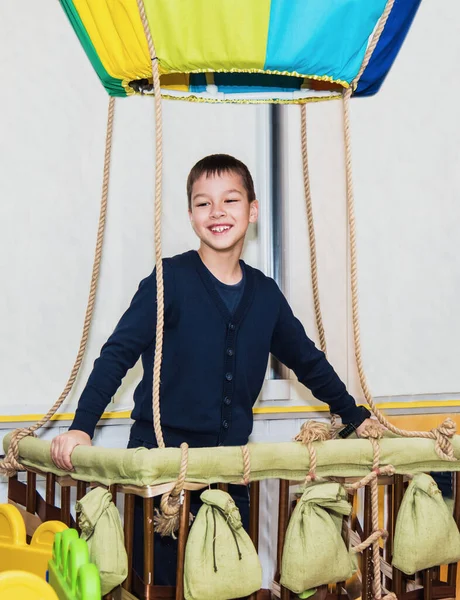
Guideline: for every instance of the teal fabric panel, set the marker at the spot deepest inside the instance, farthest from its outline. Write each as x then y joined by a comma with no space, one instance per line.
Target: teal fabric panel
326,38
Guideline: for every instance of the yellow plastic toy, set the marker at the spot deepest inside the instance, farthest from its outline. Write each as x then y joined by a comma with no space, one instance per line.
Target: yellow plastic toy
16,553
20,585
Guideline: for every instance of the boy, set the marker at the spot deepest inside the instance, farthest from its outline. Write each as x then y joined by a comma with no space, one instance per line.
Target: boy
222,319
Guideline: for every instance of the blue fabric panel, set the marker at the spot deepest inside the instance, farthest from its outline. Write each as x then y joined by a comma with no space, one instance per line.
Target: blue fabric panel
233,83
321,37
390,42
197,82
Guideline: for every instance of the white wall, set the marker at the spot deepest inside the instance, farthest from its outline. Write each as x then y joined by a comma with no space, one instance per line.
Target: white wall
53,119
406,157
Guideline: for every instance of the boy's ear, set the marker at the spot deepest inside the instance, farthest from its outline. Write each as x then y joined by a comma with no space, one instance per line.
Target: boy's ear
254,211
190,216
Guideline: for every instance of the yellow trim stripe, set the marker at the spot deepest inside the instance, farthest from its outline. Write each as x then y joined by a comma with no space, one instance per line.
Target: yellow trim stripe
268,410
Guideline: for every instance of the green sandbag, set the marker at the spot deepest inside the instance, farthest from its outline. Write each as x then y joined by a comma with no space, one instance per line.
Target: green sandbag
426,534
101,527
220,559
314,552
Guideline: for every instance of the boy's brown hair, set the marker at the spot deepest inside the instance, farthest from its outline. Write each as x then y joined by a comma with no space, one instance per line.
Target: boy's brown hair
217,164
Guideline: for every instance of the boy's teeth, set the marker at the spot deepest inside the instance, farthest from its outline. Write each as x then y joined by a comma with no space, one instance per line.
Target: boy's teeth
220,229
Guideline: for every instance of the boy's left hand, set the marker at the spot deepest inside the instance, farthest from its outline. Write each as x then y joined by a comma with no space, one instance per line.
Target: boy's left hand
360,430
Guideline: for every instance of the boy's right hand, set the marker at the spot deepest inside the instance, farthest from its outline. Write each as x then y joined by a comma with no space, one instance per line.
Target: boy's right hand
63,445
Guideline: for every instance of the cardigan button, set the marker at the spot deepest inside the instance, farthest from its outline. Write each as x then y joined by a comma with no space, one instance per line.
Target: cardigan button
225,424
228,376
227,401
229,351
231,326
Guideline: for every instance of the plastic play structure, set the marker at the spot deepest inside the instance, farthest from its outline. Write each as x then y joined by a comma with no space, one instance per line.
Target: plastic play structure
55,552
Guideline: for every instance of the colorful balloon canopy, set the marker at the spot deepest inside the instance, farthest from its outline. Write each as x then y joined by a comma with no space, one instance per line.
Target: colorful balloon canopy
240,50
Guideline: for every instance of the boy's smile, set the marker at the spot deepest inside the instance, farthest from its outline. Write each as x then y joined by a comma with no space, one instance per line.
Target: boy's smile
221,212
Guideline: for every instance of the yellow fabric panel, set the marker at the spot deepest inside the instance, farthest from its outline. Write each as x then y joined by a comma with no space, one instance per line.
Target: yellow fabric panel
208,34
116,31
175,81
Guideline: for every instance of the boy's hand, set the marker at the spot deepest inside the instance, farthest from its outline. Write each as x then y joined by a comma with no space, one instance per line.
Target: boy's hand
63,445
373,422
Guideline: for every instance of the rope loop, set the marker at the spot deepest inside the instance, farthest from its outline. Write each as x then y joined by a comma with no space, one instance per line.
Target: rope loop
167,518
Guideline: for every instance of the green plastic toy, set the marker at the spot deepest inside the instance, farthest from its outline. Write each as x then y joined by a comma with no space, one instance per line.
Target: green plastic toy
71,575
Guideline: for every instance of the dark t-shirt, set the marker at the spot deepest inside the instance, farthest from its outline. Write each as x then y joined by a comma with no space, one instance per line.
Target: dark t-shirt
230,294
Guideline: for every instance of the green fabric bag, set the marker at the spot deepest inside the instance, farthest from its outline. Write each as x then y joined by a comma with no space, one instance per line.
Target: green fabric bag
426,534
101,527
314,552
221,562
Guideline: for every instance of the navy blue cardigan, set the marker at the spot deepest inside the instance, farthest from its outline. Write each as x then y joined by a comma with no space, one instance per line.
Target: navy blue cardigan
213,363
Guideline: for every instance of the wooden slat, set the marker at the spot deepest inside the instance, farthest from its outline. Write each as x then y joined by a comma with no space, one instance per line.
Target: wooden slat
452,569
50,488
17,491
182,541
254,502
427,584
148,549
31,489
366,567
81,489
129,536
398,493
283,519
65,505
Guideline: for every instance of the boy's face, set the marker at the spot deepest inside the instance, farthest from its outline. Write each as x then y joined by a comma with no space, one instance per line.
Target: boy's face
221,212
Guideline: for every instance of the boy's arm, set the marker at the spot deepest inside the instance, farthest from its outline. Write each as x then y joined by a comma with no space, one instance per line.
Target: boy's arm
133,334
291,345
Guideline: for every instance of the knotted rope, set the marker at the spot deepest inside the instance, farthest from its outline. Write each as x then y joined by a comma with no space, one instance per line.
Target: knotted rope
166,520
10,465
312,431
374,433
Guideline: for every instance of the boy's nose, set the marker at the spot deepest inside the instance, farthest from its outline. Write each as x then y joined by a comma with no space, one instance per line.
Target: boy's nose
218,212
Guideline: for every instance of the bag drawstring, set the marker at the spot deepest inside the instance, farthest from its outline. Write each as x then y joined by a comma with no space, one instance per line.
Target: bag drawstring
240,556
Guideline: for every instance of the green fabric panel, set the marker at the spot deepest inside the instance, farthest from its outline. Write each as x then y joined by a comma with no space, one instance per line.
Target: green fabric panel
101,527
426,534
113,86
289,460
221,561
314,552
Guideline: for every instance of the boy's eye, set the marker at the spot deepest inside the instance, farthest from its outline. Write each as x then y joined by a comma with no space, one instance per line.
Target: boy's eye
231,200
202,204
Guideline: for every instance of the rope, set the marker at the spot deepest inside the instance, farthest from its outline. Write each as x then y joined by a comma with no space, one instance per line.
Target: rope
447,429
312,431
312,237
311,229
166,519
157,231
374,433
246,464
10,465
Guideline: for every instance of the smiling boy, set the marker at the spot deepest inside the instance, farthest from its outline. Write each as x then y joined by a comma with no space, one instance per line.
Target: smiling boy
222,320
